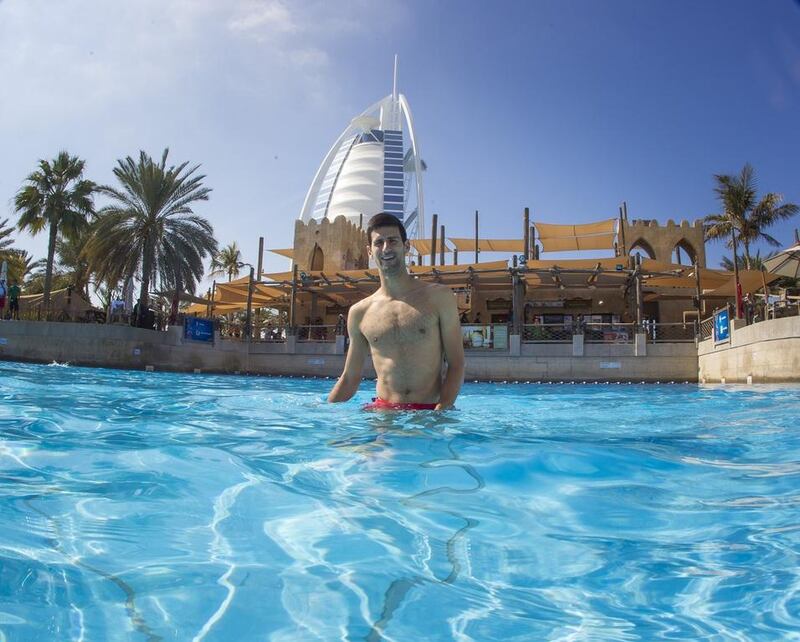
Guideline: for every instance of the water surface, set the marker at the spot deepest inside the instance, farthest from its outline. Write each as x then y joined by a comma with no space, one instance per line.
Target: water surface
153,506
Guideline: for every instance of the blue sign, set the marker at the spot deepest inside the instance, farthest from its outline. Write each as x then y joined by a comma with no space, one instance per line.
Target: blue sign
198,329
722,326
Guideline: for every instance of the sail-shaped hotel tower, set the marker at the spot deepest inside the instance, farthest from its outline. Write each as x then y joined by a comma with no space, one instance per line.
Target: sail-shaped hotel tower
374,166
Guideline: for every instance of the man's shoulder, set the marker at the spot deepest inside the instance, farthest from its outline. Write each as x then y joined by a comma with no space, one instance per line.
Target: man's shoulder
439,292
360,307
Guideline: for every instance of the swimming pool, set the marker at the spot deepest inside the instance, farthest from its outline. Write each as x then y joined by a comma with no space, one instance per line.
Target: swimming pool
153,506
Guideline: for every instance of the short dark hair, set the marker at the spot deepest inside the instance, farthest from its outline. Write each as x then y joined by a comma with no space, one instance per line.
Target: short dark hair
382,219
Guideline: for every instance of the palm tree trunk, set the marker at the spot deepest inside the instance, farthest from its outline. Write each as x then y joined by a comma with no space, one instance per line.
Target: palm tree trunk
176,298
48,272
736,275
147,266
747,261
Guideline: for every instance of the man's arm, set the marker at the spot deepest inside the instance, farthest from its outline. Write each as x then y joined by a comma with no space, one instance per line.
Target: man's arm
348,383
453,347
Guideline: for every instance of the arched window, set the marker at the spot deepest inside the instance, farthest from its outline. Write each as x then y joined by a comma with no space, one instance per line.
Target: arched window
683,251
317,259
640,246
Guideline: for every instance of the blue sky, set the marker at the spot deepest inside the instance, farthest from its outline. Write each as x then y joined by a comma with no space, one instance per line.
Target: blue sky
568,108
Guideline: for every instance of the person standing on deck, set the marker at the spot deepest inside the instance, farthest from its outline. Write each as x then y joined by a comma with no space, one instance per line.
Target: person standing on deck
13,300
409,326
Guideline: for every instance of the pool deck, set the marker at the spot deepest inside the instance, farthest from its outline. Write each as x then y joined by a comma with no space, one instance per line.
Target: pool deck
761,353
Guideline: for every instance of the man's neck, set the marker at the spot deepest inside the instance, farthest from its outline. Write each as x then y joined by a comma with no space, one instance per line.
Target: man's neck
397,284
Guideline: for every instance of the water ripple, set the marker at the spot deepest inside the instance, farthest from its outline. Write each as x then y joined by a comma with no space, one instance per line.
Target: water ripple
165,506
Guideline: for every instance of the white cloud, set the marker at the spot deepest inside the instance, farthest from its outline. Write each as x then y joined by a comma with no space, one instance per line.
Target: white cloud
255,16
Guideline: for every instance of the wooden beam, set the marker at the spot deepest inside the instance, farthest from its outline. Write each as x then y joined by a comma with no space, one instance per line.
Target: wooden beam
595,273
526,234
433,238
476,236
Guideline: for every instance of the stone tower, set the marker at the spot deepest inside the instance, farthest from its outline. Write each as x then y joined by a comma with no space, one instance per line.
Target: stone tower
660,243
330,245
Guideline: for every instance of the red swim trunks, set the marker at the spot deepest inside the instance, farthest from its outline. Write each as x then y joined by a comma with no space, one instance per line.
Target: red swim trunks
381,404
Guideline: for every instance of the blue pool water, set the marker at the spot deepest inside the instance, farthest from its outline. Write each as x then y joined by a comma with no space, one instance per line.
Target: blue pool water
152,506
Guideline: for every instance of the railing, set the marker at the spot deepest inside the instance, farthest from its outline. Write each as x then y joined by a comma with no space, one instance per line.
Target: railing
780,309
316,333
609,332
270,334
670,332
706,328
547,333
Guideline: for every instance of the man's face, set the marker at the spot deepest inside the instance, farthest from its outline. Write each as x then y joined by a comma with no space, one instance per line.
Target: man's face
387,248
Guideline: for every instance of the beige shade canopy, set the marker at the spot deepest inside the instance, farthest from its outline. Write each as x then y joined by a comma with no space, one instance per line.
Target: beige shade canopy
489,245
564,238
345,287
424,246
750,280
287,252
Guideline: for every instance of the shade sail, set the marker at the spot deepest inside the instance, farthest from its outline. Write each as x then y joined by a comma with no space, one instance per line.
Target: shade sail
423,246
608,263
287,252
219,308
488,245
182,296
259,289
589,236
750,280
488,265
785,263
333,275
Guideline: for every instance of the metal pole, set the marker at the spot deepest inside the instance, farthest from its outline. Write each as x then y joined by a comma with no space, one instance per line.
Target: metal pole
639,302
260,256
249,318
698,291
534,249
766,290
455,256
441,245
526,235
623,217
433,239
213,296
361,221
476,236
293,300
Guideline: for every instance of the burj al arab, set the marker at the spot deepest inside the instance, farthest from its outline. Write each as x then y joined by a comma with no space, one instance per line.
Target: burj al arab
374,166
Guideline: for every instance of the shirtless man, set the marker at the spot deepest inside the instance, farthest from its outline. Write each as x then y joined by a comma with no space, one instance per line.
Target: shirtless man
408,325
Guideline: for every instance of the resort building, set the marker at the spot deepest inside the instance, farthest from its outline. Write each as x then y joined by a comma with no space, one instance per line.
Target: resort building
643,311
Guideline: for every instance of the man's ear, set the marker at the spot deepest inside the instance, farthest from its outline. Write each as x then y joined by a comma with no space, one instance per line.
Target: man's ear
407,245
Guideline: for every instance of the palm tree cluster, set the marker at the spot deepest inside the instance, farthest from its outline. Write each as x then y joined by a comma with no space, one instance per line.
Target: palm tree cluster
147,232
745,218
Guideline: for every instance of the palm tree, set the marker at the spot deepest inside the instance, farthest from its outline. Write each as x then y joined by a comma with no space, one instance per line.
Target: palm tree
149,230
744,218
6,243
21,264
756,262
57,197
73,263
226,261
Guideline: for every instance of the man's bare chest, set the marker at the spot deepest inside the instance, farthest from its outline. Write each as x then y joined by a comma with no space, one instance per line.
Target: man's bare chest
398,322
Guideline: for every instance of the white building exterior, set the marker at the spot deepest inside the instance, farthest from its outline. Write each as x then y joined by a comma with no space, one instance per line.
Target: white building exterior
374,166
